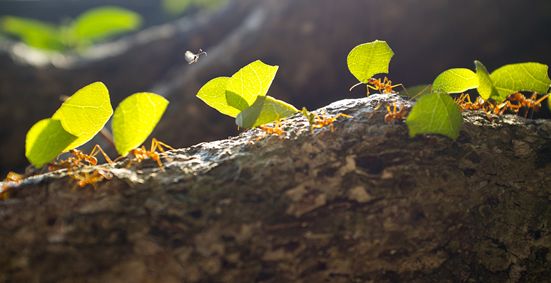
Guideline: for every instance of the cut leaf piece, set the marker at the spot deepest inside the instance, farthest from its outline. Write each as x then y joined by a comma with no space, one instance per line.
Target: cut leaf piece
45,140
435,113
455,80
100,23
369,59
213,94
264,110
135,118
248,83
486,88
85,113
520,77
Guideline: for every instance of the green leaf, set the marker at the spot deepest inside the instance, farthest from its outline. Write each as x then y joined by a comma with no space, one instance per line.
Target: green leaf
176,7
85,113
520,77
100,23
248,83
135,118
435,113
486,88
264,110
456,80
369,59
33,32
45,140
213,94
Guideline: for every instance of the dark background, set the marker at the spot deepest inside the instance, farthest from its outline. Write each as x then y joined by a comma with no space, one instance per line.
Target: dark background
308,39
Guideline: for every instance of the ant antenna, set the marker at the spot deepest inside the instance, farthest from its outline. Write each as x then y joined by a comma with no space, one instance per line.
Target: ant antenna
354,86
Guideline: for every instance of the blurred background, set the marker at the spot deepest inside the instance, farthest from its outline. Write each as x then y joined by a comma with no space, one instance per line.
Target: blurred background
51,48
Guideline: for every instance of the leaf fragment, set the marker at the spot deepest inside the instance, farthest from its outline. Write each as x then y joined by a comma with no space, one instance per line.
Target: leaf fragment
248,83
486,88
264,110
85,113
455,80
435,113
100,23
213,93
135,118
369,59
45,141
520,77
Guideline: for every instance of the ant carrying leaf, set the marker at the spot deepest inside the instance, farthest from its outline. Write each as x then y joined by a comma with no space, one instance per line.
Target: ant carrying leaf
532,103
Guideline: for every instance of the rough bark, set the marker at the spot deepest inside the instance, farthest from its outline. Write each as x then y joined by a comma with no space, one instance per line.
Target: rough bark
365,203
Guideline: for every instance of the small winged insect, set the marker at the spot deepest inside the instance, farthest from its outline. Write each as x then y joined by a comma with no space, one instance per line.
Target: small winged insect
192,57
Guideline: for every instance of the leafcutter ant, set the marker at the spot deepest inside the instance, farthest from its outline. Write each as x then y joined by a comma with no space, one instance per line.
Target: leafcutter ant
140,154
394,114
275,130
385,85
91,178
532,103
79,159
11,178
323,120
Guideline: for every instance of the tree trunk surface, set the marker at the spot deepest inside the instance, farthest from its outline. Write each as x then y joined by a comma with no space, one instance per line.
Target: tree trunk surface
362,203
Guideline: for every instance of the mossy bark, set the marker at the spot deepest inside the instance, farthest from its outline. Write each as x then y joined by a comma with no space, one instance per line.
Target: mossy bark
365,203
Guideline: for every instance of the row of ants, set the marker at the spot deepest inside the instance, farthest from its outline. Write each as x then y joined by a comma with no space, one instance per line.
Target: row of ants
78,160
514,103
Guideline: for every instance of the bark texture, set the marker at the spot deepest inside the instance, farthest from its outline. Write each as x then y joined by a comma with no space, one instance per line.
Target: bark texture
365,203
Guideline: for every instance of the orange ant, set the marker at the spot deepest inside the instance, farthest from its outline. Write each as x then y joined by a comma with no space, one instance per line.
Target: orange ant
12,177
80,158
393,115
465,103
531,103
385,85
275,130
322,120
91,178
140,154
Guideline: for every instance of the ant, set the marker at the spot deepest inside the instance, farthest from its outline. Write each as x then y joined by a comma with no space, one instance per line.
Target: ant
275,130
385,85
322,120
12,177
394,115
91,178
141,153
80,158
531,103
465,103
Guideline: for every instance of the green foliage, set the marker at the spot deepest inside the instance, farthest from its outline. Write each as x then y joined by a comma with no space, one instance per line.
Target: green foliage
486,87
264,110
34,33
97,24
177,7
135,118
455,80
91,26
213,94
248,83
243,96
85,113
369,59
520,77
435,113
46,140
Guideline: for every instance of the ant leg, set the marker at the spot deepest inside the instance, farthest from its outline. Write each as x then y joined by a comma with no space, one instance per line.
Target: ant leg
161,146
541,99
97,149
